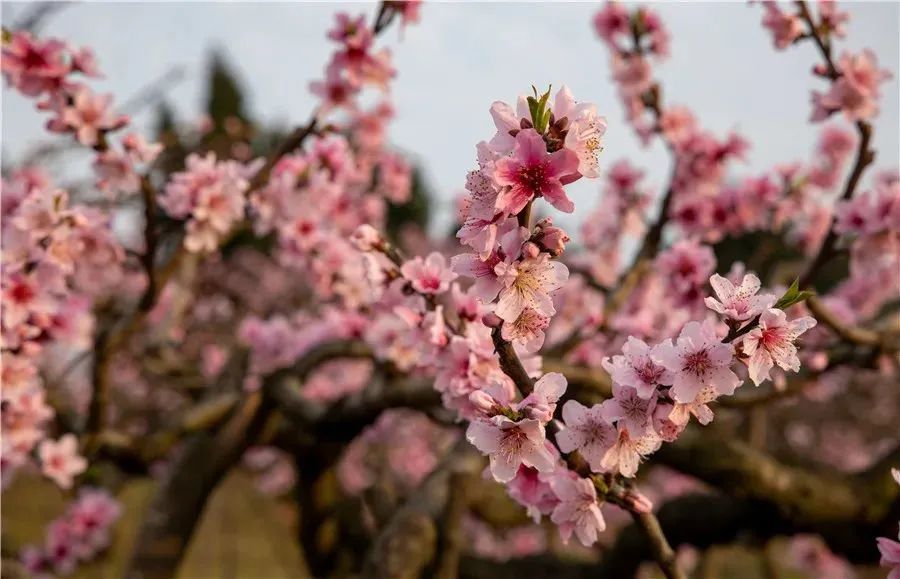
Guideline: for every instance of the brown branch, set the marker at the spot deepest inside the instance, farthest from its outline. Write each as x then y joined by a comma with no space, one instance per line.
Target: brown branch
452,537
282,385
109,341
803,496
181,498
148,258
851,334
865,155
659,546
291,143
510,363
408,544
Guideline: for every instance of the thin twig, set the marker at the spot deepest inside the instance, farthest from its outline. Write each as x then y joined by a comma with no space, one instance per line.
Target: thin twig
662,551
865,156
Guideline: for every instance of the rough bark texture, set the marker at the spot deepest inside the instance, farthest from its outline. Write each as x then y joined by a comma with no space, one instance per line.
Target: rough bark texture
180,500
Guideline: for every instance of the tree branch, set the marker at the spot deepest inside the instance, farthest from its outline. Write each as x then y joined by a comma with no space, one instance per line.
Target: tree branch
407,545
180,500
851,334
510,363
865,156
659,546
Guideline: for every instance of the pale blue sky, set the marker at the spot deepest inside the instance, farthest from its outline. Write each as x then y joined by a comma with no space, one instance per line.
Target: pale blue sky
463,56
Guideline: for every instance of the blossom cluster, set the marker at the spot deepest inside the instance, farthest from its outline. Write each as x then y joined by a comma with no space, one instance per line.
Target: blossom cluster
57,260
210,195
633,38
48,69
59,257
855,78
353,65
476,325
514,273
75,538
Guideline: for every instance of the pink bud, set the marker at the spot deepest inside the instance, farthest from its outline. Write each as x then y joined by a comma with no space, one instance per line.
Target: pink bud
366,238
483,401
491,320
530,250
638,502
550,238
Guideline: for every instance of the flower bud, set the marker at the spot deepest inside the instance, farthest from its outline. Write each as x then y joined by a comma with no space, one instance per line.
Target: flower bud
637,502
483,401
366,238
530,250
550,238
539,410
491,320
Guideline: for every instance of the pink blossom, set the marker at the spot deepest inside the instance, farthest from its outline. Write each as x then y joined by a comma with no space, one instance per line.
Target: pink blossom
856,91
24,295
738,303
532,172
60,460
632,73
528,284
335,91
479,216
409,10
773,343
89,116
698,359
677,124
587,431
531,489
833,19
541,403
139,150
116,173
527,330
666,428
550,238
785,28
352,32
584,131
62,547
395,178
628,449
366,238
578,510
211,194
34,66
630,410
511,444
508,239
680,413
612,21
686,265
862,71
428,276
890,555
639,366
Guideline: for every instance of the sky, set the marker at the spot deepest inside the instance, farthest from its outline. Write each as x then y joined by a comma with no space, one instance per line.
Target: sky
463,56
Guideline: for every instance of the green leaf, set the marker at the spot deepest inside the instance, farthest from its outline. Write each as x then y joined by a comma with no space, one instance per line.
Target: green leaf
537,106
793,296
534,109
